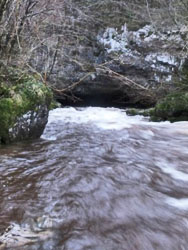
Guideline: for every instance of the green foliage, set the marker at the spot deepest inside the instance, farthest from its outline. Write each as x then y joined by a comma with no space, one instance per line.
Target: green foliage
54,104
135,111
173,107
183,84
20,94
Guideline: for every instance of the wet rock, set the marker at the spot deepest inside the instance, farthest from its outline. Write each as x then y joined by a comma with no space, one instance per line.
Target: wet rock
144,112
173,107
24,106
16,236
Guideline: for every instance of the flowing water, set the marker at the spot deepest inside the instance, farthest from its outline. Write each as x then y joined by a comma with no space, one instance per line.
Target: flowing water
106,180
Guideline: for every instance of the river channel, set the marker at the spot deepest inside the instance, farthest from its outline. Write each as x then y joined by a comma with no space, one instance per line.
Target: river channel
104,181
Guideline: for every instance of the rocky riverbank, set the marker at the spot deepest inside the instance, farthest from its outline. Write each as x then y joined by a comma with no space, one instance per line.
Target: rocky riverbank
110,53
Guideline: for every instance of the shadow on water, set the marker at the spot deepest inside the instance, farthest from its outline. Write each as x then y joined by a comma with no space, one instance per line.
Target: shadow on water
97,179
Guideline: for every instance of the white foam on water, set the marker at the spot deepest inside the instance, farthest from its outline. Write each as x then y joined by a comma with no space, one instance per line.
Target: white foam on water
48,138
178,203
170,169
105,119
180,127
176,174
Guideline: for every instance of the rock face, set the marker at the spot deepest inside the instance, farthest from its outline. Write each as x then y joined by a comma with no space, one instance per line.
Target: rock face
103,53
24,106
147,57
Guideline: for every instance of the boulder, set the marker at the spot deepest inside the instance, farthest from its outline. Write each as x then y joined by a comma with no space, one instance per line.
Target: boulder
174,107
24,105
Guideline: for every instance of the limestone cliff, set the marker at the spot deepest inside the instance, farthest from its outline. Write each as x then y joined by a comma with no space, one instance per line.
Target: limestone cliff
104,53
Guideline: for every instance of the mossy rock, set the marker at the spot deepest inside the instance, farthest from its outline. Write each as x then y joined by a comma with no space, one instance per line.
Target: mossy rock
54,104
174,107
24,101
143,112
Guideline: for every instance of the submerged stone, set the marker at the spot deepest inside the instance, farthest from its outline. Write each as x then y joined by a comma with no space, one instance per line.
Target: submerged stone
19,236
24,106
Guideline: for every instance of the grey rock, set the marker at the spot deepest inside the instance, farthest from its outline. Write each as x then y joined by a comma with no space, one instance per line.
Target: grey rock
17,236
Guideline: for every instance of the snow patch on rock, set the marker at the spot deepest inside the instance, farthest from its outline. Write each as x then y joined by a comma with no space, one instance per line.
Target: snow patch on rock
146,47
114,41
164,58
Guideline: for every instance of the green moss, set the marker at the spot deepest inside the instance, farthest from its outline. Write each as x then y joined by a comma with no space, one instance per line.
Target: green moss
173,107
183,84
20,94
54,104
134,111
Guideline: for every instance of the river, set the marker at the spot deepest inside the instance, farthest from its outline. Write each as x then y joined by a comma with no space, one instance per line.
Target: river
106,180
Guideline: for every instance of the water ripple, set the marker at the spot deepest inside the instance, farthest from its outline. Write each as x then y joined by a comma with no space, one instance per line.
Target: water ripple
107,180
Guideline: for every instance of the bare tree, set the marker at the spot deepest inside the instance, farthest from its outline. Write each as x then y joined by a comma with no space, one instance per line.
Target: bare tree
45,28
